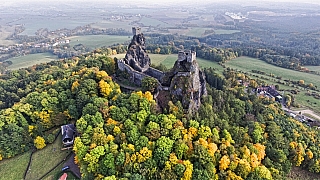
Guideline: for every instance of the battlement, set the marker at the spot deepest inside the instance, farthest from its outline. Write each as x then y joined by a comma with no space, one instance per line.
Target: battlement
136,30
188,56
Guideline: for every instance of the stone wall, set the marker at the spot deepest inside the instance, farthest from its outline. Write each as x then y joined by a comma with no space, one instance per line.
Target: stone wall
155,73
136,76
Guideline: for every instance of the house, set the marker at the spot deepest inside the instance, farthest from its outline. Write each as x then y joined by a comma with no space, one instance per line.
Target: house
269,91
68,132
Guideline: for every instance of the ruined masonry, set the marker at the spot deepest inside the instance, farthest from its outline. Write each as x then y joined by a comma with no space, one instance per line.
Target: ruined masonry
137,62
185,82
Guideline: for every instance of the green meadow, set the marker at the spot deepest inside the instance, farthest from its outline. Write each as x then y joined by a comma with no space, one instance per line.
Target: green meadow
30,60
247,64
96,41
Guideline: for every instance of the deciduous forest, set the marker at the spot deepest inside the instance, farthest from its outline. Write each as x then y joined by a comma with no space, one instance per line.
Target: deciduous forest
234,135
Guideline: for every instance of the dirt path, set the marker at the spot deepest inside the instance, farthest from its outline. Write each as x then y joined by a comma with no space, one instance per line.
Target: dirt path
308,111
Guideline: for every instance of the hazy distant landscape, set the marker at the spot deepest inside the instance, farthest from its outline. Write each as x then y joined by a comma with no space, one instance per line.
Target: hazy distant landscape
259,43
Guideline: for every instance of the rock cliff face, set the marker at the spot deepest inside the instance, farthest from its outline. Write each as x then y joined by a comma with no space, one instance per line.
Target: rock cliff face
186,82
136,55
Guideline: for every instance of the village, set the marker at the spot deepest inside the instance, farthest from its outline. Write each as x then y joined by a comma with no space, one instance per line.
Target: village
272,93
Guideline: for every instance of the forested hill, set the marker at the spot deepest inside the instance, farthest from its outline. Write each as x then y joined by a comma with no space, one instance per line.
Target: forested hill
234,135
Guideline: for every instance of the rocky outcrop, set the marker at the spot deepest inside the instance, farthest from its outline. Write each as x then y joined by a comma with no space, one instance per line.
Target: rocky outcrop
186,82
137,56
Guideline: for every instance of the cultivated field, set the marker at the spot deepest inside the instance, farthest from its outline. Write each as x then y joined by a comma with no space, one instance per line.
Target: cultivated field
6,31
96,41
248,64
152,22
199,31
224,31
113,24
314,68
30,60
32,24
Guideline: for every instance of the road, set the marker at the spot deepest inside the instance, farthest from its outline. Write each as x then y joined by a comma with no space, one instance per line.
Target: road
308,111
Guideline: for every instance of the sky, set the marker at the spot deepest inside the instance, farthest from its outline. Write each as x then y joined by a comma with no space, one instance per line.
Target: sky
170,1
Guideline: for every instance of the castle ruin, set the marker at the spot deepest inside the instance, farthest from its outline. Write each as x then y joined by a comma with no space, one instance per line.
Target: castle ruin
185,82
137,62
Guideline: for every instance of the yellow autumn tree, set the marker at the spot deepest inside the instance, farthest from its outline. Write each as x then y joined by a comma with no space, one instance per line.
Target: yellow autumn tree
298,152
45,118
148,96
261,151
309,154
105,88
144,154
233,176
102,75
243,169
39,142
74,86
187,175
212,148
254,160
224,162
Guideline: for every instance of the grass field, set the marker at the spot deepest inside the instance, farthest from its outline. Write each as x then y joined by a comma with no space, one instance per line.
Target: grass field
225,31
248,64
314,68
30,60
45,159
6,31
113,24
33,23
42,161
96,41
15,167
199,31
152,22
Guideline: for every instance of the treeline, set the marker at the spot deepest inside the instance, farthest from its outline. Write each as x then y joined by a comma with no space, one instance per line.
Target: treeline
37,100
234,45
234,135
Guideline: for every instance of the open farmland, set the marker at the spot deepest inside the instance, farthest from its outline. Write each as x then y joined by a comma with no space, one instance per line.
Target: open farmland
197,32
247,64
6,31
314,68
152,22
113,24
200,31
33,23
30,60
96,41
